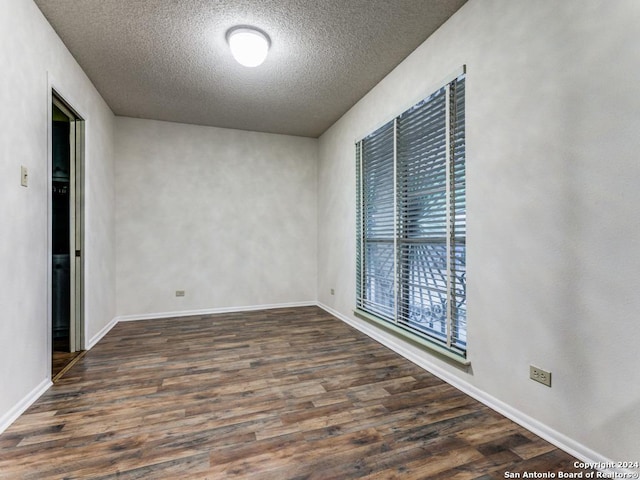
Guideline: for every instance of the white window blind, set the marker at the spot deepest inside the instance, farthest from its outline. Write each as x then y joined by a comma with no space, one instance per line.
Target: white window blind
411,246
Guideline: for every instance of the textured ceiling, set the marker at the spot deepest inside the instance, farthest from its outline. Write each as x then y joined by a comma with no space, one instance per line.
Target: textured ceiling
168,59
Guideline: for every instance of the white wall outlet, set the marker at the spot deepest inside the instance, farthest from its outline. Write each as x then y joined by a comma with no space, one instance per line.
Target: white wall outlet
333,292
540,375
24,176
179,293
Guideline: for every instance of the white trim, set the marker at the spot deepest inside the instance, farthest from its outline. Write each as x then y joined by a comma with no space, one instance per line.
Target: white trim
72,104
49,252
189,313
396,283
213,311
12,415
572,447
98,336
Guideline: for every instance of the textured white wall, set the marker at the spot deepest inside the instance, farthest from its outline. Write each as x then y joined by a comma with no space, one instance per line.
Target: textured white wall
227,215
553,103
32,56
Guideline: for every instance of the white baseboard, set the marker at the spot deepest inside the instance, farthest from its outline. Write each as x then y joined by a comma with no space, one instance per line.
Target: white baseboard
98,336
554,437
213,311
12,415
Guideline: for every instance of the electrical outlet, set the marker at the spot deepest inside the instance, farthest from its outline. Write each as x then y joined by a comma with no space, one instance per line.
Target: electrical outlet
179,293
333,292
540,375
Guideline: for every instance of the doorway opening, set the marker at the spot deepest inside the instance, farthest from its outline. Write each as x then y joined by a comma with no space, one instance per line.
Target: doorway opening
67,319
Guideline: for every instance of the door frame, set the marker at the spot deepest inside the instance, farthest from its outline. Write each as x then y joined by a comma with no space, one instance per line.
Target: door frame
76,221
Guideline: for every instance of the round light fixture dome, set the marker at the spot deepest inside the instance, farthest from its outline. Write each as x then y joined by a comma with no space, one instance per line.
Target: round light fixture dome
248,45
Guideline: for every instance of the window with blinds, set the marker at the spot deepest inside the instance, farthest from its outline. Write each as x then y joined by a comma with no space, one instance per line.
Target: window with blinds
411,245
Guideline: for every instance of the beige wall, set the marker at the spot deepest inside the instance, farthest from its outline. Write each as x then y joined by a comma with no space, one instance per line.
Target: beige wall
552,170
226,215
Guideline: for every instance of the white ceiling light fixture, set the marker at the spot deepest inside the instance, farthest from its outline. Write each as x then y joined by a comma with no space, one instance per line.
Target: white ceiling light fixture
248,45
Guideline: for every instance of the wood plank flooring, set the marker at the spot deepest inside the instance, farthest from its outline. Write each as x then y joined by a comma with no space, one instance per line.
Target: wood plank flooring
277,394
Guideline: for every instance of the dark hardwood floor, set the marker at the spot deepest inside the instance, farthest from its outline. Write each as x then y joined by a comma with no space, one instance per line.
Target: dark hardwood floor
277,394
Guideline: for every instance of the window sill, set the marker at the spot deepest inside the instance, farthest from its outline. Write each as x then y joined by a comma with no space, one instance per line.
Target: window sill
431,347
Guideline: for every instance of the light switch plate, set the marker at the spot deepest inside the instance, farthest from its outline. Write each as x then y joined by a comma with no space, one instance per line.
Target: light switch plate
24,177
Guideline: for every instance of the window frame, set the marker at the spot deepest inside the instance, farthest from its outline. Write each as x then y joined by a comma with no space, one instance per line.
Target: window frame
390,317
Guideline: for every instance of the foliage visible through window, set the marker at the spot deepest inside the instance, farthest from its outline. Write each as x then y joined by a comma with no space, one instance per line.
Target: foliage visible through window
411,244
